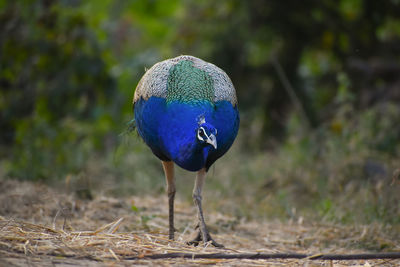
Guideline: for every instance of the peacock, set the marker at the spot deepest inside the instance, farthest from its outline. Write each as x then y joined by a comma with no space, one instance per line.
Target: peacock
185,110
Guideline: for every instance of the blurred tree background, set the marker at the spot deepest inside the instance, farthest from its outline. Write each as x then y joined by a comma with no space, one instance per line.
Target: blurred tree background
318,84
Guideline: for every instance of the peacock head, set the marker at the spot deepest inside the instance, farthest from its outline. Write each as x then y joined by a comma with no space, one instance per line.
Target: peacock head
207,134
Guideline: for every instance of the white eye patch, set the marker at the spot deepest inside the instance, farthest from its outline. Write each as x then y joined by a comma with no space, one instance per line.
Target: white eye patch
201,134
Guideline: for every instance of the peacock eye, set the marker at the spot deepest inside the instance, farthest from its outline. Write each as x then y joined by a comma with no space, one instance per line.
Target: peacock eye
202,133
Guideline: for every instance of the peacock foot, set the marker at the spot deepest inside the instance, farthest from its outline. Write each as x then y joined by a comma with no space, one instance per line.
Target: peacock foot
199,237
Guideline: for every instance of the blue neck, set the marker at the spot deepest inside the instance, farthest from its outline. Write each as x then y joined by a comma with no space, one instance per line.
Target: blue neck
169,129
178,134
192,156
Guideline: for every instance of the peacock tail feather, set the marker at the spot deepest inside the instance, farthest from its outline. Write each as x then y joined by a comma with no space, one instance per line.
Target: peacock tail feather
186,78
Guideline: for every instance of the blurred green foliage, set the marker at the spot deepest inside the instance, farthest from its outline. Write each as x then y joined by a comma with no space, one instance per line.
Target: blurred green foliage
327,125
55,89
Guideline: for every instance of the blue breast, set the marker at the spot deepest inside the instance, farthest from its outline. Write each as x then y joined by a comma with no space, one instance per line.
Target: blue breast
169,129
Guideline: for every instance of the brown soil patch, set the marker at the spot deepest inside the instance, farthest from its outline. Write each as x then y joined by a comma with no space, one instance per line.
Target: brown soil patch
40,226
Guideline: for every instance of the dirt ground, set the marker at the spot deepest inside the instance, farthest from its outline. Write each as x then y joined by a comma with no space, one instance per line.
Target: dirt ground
41,226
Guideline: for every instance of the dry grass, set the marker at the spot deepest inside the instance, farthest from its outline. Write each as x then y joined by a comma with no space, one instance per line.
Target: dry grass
40,226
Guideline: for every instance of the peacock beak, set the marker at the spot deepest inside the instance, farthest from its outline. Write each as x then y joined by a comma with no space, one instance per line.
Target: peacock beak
212,140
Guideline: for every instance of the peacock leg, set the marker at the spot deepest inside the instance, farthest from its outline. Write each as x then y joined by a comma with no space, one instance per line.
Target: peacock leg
168,167
203,234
